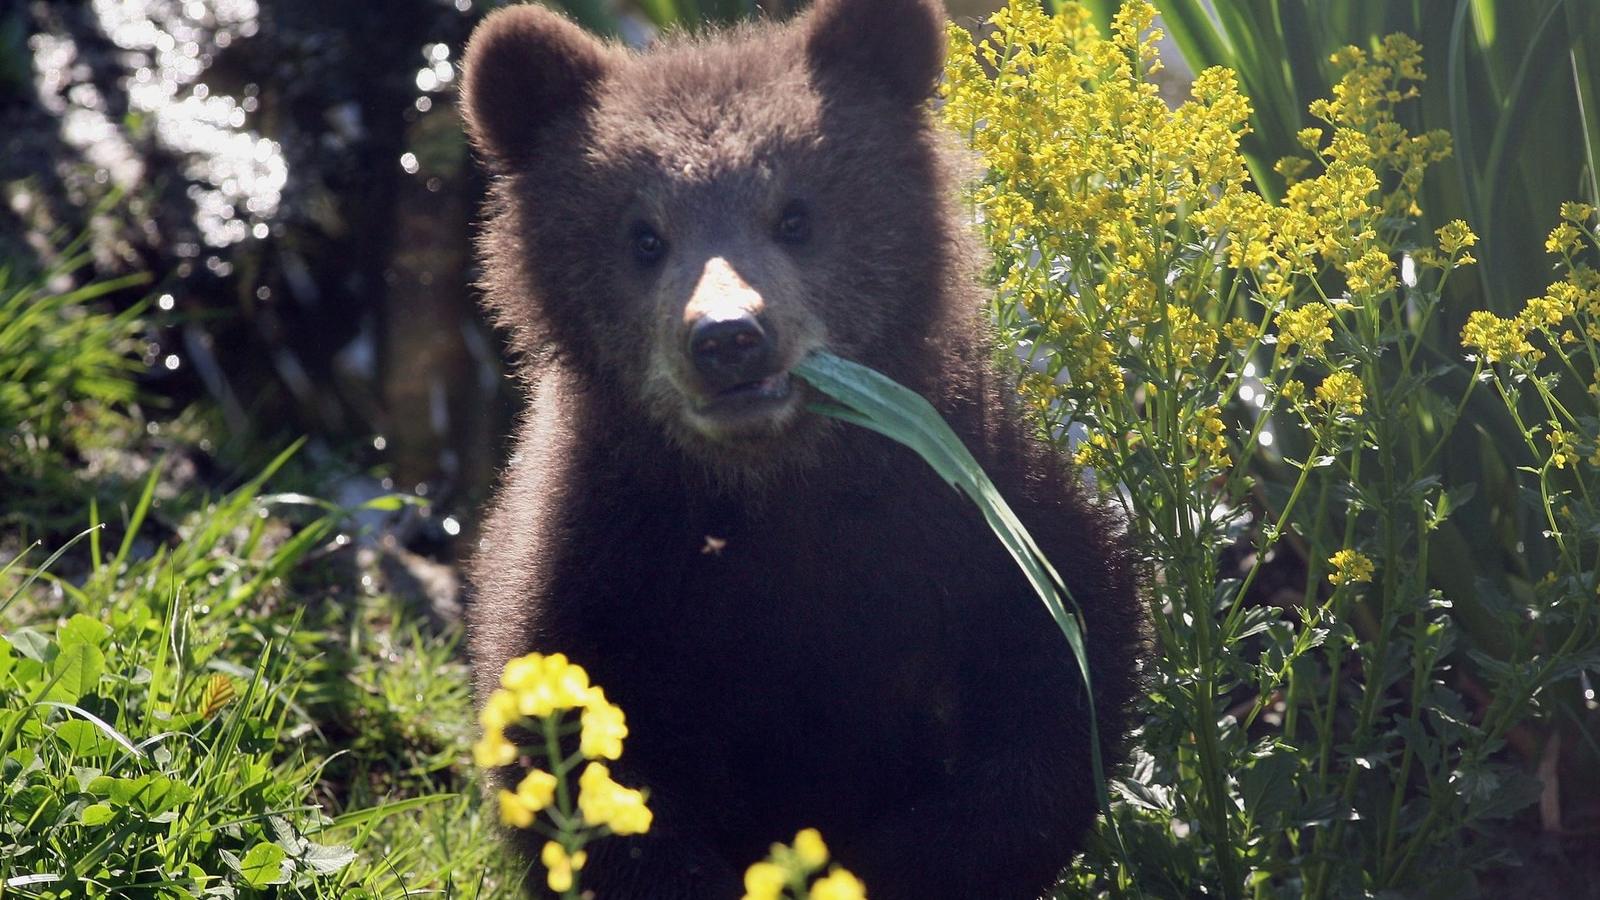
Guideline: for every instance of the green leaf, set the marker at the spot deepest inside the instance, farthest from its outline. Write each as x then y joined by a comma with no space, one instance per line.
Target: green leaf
8,658
1268,789
325,860
82,629
81,738
263,865
874,401
153,793
30,644
78,668
96,814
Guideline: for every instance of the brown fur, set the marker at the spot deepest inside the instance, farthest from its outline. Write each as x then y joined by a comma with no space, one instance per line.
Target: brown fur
861,656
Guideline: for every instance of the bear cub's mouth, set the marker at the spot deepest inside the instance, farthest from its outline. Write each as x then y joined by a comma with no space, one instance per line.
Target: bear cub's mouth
749,404
769,390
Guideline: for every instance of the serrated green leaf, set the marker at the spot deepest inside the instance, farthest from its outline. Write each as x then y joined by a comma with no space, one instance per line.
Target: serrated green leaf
325,860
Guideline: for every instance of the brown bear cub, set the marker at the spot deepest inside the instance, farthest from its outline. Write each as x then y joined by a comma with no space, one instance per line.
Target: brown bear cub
804,625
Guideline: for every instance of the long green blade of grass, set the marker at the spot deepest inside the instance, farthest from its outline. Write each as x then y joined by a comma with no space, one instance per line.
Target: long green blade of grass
869,399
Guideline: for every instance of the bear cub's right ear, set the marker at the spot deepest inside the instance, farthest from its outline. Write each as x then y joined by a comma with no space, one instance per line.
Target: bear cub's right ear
525,68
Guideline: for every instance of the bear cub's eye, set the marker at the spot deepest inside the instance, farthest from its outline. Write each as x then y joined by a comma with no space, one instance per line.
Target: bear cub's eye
648,247
795,225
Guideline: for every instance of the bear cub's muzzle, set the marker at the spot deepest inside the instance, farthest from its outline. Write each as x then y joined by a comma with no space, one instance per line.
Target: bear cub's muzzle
734,351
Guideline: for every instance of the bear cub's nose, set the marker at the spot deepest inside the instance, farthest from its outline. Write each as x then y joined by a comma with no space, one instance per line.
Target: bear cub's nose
730,352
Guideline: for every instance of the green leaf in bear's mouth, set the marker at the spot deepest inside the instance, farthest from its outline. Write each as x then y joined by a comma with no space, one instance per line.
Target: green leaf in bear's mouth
872,400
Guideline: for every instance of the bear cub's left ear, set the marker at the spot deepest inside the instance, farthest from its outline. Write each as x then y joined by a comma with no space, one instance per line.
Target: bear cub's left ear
897,44
524,69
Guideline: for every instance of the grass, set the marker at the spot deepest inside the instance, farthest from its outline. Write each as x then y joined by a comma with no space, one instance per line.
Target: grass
201,695
196,720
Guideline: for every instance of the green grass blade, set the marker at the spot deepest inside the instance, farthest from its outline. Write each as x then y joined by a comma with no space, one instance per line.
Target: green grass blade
356,818
1461,125
1584,55
34,574
876,402
136,521
1540,62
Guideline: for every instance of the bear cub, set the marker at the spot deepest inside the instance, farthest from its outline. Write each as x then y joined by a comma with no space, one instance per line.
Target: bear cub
803,624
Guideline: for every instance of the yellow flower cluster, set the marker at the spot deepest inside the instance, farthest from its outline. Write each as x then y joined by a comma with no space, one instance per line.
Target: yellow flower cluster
1567,313
536,692
1109,216
536,791
1341,394
1308,326
1209,441
1454,238
535,686
1365,130
560,865
1498,339
604,803
1089,173
1563,449
786,872
1349,567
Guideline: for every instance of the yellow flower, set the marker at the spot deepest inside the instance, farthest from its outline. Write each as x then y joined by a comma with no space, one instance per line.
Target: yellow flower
1576,212
513,812
537,789
498,712
1208,440
1497,338
1455,236
764,881
604,802
1309,325
544,684
1563,239
559,865
1341,393
1563,451
1349,567
1291,168
1372,274
838,885
810,850
604,727
493,750
1291,392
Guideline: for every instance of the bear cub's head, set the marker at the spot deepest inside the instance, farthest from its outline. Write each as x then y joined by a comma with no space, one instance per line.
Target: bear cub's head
681,225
